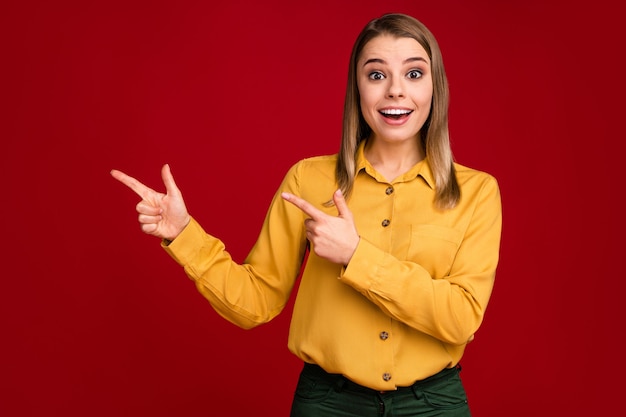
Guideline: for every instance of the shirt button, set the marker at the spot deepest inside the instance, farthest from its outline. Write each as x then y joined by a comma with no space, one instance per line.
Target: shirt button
386,222
389,190
384,335
386,376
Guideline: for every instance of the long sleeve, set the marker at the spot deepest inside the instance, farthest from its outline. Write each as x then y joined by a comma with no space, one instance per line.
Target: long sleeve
443,285
254,292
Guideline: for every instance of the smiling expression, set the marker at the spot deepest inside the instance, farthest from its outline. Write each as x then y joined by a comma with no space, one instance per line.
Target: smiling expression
395,86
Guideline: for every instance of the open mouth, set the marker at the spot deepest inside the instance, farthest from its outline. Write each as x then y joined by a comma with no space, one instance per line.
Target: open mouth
395,113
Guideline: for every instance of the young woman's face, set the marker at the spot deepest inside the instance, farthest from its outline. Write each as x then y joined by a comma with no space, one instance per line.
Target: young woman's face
396,87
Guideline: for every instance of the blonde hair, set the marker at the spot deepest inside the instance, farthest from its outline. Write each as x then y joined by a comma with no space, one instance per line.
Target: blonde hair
434,135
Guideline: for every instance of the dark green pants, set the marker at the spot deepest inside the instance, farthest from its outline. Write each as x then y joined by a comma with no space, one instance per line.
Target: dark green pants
320,394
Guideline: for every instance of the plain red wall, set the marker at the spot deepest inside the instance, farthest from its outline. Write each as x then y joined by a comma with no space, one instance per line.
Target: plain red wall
97,320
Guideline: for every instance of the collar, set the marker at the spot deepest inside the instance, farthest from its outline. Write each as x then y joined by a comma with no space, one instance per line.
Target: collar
421,169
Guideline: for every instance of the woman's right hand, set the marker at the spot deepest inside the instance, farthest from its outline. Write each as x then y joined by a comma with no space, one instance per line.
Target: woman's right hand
160,215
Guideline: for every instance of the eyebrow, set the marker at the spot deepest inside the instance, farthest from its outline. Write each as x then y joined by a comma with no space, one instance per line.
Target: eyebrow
382,61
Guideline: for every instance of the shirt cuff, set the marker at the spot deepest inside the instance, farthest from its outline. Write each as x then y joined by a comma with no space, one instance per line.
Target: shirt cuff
185,247
363,270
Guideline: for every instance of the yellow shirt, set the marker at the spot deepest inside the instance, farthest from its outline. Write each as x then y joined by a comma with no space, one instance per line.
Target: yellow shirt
413,293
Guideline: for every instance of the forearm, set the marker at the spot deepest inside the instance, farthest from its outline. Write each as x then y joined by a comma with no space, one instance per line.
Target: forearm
441,282
245,294
443,308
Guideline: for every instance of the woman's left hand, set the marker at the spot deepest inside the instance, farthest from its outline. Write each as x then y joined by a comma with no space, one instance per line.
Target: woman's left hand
334,238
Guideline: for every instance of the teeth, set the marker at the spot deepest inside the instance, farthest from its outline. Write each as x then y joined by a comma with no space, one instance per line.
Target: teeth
395,112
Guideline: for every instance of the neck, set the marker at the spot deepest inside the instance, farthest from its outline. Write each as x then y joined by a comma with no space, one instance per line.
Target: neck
393,159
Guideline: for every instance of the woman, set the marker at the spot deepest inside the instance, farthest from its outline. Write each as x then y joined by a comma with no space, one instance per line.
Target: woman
403,243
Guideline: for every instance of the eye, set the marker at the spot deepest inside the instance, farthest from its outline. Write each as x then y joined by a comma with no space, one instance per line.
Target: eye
376,75
414,74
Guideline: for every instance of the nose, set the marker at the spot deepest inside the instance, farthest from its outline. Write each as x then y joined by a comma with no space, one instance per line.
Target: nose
396,89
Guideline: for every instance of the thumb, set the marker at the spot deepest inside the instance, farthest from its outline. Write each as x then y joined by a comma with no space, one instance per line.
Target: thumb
340,203
168,180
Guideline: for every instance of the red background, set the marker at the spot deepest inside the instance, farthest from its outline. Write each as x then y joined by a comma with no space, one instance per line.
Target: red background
97,320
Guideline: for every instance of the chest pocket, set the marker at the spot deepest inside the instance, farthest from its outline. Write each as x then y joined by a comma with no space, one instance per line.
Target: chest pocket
434,248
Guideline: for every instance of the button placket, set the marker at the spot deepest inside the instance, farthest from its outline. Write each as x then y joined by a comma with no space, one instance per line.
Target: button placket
388,191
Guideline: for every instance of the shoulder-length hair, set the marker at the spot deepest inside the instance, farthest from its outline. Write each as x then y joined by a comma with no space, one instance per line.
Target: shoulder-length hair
434,135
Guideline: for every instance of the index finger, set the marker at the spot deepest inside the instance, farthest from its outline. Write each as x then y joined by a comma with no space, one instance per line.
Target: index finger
303,205
140,189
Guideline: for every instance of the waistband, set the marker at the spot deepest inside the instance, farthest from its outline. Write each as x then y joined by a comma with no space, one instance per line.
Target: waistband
342,382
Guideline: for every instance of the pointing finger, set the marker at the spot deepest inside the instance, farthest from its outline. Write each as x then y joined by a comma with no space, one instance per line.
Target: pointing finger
140,189
303,205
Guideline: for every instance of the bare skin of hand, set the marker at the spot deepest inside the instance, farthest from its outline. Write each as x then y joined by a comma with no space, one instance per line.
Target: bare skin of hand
333,238
160,215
